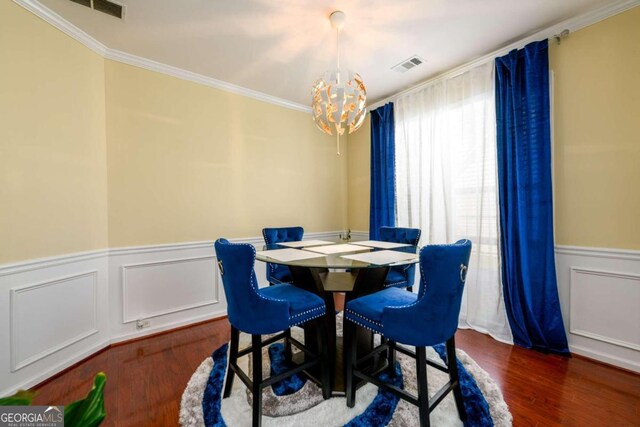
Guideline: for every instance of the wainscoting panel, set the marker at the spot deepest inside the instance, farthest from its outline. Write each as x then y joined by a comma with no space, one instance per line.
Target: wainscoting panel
600,296
177,284
616,296
49,316
55,314
165,286
171,285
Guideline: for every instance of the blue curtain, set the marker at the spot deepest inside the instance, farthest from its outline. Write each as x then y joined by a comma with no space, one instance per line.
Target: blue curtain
383,152
525,191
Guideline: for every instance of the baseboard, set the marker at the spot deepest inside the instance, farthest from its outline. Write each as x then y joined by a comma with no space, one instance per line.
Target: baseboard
113,343
163,329
606,359
56,370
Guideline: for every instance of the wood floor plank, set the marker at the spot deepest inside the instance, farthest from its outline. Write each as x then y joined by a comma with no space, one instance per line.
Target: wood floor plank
146,378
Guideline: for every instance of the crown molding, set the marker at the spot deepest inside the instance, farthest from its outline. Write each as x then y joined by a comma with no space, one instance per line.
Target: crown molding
148,64
81,36
62,24
572,24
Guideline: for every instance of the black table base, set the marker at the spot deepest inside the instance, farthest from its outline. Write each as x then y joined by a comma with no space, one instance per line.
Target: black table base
354,283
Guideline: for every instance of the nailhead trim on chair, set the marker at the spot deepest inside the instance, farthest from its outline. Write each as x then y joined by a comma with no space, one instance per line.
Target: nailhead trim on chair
276,299
254,285
364,326
390,285
308,311
403,306
362,317
306,320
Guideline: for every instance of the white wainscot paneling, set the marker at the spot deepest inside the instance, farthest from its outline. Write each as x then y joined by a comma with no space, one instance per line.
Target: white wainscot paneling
600,297
605,307
49,316
158,288
55,315
64,308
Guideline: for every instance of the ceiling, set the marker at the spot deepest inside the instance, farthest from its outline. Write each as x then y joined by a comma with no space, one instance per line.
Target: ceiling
281,47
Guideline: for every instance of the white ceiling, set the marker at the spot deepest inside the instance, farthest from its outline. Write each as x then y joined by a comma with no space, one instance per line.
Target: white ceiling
281,47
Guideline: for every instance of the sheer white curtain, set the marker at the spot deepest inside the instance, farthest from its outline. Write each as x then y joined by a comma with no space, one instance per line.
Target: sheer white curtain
446,183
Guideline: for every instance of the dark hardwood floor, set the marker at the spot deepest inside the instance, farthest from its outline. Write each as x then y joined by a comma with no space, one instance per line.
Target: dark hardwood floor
145,380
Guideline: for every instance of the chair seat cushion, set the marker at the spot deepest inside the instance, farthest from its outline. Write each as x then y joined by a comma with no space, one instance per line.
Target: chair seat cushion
367,311
396,277
303,305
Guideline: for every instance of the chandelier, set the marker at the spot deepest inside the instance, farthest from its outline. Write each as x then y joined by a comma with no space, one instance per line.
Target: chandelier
339,97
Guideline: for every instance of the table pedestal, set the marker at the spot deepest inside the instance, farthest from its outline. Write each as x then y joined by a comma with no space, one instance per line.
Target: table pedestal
356,283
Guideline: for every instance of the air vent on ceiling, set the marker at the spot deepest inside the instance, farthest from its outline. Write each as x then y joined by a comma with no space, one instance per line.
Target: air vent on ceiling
408,64
104,6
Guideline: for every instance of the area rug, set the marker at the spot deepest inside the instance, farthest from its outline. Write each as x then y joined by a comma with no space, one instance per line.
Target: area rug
298,402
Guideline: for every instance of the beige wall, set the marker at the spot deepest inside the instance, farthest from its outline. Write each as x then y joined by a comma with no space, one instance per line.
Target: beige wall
597,134
53,180
187,162
359,176
596,138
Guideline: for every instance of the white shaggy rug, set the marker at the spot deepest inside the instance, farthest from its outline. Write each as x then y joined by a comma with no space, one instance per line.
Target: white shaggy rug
306,407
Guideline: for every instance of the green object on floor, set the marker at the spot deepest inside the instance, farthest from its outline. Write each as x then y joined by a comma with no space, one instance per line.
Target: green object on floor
88,412
21,398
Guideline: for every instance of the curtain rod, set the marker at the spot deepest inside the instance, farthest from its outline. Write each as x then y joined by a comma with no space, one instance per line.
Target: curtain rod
569,25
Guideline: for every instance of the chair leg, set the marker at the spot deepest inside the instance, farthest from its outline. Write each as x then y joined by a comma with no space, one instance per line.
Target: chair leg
452,362
233,361
350,347
423,389
391,357
256,390
287,345
376,357
325,366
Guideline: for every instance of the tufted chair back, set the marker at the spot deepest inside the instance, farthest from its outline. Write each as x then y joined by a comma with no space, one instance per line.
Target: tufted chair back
409,236
433,318
402,276
248,310
272,236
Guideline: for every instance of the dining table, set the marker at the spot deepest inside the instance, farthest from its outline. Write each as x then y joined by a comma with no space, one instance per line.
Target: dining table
354,269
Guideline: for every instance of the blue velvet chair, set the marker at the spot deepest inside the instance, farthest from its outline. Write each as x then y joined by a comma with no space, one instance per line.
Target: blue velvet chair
271,310
401,276
277,274
426,319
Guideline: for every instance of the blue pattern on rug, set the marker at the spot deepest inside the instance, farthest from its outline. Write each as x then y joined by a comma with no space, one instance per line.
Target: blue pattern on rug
378,413
279,365
381,410
212,398
475,404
